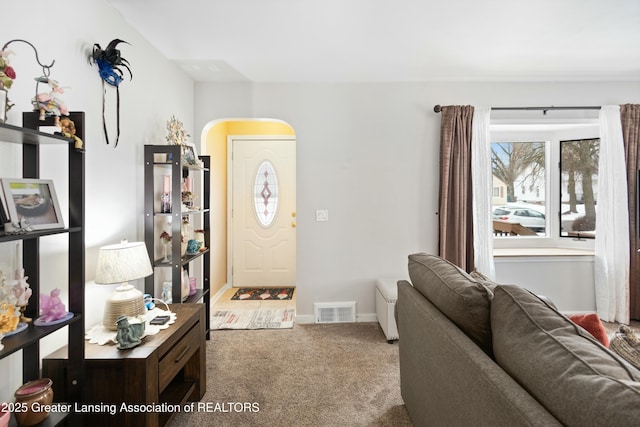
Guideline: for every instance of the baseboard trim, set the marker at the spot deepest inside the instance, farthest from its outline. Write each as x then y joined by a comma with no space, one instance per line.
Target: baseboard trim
215,297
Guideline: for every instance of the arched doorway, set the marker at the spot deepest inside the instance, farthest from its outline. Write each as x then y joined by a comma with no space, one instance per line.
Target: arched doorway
216,140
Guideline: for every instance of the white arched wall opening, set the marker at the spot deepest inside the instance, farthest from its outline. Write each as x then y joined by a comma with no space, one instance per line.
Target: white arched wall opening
214,142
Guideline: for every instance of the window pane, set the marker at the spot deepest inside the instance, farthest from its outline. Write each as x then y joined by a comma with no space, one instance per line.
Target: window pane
579,187
265,195
519,170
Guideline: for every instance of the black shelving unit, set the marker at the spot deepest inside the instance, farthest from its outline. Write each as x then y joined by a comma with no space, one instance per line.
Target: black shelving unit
174,167
29,341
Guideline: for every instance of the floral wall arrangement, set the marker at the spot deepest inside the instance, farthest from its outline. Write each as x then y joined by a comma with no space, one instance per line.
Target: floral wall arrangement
7,75
175,131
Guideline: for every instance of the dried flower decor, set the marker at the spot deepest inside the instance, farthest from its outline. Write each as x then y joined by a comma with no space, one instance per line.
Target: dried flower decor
166,237
7,73
176,133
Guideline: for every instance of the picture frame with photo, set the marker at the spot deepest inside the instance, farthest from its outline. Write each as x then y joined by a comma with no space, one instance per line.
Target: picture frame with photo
189,154
34,200
4,217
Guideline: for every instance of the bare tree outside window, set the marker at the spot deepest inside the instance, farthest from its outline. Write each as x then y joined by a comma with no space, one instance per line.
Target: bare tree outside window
519,166
578,187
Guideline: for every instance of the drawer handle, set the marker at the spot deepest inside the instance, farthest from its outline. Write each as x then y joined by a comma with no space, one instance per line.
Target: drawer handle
185,351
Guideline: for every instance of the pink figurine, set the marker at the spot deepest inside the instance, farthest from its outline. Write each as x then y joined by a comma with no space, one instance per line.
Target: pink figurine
51,307
50,104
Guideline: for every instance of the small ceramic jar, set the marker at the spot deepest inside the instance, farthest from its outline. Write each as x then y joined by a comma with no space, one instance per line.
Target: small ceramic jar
37,391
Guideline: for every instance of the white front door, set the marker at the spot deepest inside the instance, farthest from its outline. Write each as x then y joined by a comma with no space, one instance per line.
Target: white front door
263,212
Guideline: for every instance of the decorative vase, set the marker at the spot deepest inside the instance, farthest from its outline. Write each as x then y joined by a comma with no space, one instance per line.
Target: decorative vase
5,416
192,286
184,289
165,203
166,293
34,392
167,247
199,236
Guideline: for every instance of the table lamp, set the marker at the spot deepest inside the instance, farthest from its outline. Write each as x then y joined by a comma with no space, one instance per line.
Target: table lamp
120,263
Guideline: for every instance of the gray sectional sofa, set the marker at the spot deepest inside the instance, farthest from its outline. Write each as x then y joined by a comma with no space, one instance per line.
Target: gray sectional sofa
473,353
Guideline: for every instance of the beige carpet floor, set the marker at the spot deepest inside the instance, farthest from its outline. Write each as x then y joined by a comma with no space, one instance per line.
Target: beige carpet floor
311,375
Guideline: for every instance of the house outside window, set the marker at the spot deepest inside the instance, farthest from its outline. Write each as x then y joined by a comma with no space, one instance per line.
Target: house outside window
520,165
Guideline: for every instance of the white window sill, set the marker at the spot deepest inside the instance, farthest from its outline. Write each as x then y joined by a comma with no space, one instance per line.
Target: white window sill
552,252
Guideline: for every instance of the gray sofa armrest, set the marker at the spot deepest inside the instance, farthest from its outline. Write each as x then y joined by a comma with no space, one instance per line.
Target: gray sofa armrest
447,380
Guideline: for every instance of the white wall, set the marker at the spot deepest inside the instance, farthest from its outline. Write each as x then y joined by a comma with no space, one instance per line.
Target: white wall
65,32
565,280
369,154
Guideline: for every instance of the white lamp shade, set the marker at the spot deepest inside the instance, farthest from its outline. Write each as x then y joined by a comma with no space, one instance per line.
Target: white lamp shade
119,264
122,262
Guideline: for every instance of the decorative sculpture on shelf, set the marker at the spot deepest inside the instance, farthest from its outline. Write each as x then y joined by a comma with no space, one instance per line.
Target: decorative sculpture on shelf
176,135
9,318
51,307
50,104
68,129
21,289
166,240
21,227
129,334
22,292
109,62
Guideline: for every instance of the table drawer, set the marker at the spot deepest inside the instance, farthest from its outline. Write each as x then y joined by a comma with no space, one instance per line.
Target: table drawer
178,356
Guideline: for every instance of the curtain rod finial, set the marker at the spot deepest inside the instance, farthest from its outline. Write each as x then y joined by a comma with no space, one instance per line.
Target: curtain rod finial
437,108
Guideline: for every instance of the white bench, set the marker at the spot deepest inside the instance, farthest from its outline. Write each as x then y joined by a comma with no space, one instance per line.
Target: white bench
386,296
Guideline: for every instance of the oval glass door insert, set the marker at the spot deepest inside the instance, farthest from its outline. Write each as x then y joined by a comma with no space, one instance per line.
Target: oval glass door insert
266,194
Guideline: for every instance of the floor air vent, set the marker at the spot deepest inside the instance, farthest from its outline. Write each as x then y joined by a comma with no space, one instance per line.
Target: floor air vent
335,312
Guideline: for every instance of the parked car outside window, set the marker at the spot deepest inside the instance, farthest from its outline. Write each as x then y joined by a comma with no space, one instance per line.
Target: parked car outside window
526,217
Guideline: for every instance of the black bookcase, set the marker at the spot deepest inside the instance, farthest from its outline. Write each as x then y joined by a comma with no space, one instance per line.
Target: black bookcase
31,139
160,160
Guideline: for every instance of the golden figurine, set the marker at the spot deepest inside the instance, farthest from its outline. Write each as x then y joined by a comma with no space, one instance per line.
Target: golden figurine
68,129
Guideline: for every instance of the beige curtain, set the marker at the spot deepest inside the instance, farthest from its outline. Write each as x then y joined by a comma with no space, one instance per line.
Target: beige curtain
456,203
630,118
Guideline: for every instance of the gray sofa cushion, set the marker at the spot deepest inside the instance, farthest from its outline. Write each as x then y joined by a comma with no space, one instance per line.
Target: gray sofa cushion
575,377
463,300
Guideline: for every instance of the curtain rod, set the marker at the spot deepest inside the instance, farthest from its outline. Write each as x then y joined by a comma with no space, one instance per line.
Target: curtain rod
438,108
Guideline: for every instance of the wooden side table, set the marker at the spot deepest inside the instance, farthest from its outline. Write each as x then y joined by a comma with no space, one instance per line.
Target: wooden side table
142,386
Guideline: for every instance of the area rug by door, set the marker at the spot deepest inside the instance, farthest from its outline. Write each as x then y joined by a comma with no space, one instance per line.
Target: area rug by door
261,317
263,294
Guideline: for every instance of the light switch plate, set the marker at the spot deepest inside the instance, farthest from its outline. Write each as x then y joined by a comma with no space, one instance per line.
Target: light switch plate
322,215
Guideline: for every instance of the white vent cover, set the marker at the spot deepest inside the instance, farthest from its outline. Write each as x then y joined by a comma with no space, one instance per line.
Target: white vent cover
335,312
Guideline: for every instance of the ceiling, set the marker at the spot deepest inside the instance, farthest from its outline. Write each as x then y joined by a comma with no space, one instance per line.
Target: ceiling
393,41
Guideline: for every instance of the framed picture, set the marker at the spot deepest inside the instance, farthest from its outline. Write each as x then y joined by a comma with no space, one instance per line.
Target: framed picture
189,154
3,105
34,200
160,157
4,218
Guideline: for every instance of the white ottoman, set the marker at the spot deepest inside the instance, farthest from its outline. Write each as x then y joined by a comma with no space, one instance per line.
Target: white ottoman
386,296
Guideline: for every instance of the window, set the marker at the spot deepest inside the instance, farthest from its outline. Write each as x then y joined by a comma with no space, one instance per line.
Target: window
265,196
578,187
520,165
549,175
